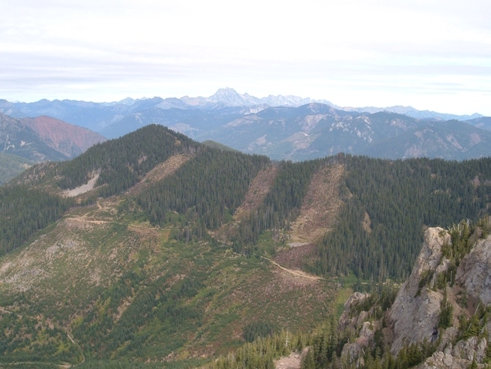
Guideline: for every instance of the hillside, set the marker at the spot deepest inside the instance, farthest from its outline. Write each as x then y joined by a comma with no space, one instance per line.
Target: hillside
34,140
317,130
482,122
18,139
156,249
65,138
438,318
12,165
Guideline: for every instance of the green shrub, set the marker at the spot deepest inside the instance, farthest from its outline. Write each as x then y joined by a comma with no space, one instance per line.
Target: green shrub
257,329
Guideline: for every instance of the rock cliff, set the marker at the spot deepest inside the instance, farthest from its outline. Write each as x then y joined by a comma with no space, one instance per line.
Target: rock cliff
442,309
416,310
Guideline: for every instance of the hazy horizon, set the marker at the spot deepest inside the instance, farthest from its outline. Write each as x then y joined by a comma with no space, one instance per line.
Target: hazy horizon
430,55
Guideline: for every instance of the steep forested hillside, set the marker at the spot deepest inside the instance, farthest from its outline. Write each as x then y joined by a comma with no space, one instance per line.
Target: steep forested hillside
154,248
207,189
388,204
23,211
121,163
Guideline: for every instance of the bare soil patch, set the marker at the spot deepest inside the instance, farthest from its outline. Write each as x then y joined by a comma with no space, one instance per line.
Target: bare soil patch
95,215
295,272
257,191
145,230
82,223
320,206
292,361
367,223
159,172
89,186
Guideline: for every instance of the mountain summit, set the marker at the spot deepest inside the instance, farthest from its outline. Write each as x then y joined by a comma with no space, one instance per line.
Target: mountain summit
228,96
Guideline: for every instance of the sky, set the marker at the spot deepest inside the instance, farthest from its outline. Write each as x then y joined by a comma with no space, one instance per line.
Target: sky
429,54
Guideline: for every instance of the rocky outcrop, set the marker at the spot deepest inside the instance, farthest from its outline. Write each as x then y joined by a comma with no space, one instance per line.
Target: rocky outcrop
353,354
474,272
461,282
459,356
416,310
356,322
348,318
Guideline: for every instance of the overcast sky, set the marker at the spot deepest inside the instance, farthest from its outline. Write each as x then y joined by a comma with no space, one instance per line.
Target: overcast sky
430,54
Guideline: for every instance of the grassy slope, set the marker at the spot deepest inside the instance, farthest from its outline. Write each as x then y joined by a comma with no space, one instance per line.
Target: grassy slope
96,273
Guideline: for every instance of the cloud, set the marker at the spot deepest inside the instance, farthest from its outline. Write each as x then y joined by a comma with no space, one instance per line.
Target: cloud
420,51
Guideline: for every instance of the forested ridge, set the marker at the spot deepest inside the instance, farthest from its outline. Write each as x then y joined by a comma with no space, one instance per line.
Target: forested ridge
206,189
123,162
281,205
386,203
155,273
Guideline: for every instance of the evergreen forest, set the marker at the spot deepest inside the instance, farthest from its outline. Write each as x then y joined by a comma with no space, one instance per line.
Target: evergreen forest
158,270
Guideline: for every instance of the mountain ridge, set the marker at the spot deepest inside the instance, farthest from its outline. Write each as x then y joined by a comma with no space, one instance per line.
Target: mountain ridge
230,97
177,250
65,138
297,129
40,139
317,130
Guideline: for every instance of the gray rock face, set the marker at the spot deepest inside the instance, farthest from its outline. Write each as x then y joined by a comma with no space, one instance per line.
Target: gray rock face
416,310
353,354
459,356
345,320
414,315
470,349
474,272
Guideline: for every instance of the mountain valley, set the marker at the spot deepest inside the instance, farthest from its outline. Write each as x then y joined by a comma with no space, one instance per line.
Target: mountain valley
158,251
245,185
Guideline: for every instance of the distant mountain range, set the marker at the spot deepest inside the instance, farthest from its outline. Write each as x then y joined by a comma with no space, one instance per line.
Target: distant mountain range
97,116
317,130
282,127
229,97
482,122
44,138
414,113
32,140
